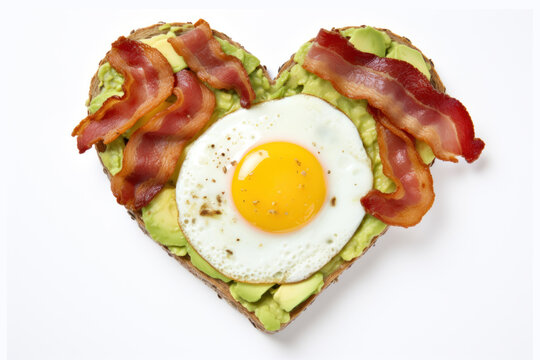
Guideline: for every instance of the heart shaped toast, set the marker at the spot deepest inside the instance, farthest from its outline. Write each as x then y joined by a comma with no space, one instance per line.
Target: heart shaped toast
268,189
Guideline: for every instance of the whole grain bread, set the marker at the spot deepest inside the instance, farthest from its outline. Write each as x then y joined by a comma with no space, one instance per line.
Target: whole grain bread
220,287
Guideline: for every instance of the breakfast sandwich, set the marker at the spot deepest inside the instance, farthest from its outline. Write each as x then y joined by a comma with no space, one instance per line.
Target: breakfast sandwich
268,189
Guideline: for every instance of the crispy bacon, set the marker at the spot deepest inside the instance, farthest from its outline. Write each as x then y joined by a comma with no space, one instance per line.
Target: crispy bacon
400,91
204,55
152,152
401,162
148,81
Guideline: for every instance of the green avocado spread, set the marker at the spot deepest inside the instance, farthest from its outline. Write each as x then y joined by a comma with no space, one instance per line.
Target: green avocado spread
271,303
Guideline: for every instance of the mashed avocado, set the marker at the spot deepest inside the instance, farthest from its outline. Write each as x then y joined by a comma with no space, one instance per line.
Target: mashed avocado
249,61
110,83
266,309
271,303
113,155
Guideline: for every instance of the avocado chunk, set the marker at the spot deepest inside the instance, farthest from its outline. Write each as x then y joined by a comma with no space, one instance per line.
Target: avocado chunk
267,310
289,296
160,43
249,292
178,250
160,218
270,313
410,55
369,40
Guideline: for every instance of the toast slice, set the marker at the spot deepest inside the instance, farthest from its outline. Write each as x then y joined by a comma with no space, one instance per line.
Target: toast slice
222,288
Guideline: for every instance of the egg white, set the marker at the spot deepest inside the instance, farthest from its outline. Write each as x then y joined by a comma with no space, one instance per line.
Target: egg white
234,247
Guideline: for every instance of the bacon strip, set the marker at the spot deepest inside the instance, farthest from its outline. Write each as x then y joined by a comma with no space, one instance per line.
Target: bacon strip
401,162
152,152
204,55
400,91
148,81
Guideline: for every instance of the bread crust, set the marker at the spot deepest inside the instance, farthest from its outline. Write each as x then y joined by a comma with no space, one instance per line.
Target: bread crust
219,286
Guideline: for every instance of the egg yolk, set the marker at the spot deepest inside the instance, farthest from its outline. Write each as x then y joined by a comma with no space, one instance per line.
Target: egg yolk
278,187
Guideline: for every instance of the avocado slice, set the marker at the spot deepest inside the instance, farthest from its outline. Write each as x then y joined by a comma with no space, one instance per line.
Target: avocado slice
410,55
369,40
161,219
160,42
204,266
249,292
289,296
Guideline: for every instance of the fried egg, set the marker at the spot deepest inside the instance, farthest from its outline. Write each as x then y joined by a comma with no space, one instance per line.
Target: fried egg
270,194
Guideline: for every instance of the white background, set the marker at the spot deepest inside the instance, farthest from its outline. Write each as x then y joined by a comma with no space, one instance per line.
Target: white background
83,282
